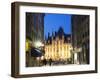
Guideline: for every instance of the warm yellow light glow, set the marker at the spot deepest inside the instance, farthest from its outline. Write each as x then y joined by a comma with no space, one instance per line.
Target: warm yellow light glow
37,58
42,57
60,51
38,44
27,45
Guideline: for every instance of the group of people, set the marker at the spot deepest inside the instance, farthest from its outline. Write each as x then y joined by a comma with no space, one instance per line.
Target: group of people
45,62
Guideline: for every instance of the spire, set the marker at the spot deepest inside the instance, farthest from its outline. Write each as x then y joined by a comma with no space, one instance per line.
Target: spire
48,35
61,31
53,34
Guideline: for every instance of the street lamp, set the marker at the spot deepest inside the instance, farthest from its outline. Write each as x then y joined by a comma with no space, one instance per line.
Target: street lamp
39,44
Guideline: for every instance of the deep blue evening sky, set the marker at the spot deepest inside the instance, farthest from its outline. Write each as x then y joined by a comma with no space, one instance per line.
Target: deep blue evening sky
52,22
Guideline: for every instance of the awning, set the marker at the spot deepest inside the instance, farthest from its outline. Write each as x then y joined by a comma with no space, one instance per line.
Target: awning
36,52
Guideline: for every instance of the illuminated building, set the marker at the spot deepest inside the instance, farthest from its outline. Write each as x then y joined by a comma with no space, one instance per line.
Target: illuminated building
34,36
58,46
80,39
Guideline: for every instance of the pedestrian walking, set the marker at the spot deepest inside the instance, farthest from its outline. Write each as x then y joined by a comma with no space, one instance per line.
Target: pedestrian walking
44,62
50,61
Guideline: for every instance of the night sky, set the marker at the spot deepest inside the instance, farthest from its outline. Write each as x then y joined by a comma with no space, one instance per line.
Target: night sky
52,22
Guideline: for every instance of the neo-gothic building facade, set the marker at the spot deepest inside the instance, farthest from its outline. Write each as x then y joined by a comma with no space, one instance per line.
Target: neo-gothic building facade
58,46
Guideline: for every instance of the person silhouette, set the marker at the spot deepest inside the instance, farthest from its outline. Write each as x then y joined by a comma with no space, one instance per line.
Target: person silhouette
44,62
50,61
